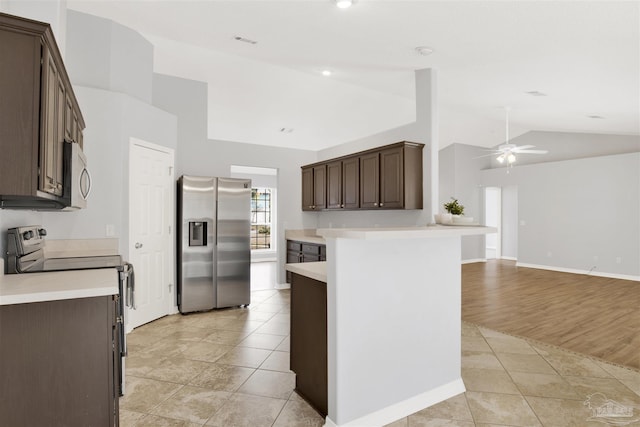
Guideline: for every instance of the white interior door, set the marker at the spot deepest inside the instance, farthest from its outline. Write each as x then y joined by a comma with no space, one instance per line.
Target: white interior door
151,218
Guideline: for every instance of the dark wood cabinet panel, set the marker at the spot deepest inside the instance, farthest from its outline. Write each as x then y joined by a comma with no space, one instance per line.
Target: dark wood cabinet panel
58,363
391,181
343,184
314,188
334,185
304,252
351,183
38,111
319,187
308,356
19,112
369,180
388,177
307,189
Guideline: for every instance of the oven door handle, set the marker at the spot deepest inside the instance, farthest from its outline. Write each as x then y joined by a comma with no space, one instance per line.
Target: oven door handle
131,287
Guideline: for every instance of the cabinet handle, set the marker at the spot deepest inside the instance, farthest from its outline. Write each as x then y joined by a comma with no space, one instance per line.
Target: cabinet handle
375,204
381,204
310,207
342,206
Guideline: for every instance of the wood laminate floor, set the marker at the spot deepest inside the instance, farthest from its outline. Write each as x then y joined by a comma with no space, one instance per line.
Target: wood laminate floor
591,315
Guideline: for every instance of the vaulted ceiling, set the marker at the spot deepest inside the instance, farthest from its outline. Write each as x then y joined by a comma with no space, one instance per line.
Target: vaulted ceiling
560,66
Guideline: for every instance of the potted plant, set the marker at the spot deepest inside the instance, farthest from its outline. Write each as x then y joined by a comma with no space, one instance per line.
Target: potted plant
453,207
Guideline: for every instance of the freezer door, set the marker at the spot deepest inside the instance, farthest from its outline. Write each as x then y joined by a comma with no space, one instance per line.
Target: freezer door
233,245
196,243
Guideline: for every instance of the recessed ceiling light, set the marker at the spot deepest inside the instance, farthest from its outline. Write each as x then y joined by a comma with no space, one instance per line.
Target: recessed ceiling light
326,73
424,50
344,4
594,116
535,93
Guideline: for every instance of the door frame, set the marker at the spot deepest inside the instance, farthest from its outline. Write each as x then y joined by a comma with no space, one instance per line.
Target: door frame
498,210
172,304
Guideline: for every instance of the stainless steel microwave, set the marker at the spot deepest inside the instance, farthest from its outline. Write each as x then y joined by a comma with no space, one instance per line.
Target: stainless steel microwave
77,179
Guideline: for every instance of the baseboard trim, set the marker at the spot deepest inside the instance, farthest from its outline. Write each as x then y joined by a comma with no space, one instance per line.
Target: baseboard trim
282,286
509,258
471,261
405,408
577,271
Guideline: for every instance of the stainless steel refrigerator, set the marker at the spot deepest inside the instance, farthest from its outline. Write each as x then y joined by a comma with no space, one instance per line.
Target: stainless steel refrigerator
214,255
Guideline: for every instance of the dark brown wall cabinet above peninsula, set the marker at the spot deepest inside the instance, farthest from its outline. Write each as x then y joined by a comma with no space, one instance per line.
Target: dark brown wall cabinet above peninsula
343,184
38,111
314,188
388,177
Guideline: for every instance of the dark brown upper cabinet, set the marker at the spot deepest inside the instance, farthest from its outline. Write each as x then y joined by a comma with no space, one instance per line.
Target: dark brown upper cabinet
343,184
314,188
38,111
388,177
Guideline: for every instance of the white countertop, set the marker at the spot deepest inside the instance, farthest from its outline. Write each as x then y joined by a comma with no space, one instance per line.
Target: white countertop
313,270
58,285
431,231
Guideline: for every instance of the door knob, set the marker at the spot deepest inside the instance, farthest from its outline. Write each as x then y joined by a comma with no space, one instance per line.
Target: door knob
138,245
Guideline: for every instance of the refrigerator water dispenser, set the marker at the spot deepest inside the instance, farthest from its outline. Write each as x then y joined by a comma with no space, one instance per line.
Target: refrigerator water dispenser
197,233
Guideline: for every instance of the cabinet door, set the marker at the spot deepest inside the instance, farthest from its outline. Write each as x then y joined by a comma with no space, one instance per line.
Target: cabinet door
60,131
351,183
307,189
69,125
320,187
391,178
52,129
334,185
369,180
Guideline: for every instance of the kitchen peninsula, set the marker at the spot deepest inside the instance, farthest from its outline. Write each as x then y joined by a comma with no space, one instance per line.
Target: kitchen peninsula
393,316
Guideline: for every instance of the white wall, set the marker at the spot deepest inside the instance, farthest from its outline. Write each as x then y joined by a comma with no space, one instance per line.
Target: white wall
460,177
104,54
578,214
422,131
510,222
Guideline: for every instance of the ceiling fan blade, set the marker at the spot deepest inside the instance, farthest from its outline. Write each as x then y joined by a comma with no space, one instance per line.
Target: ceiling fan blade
532,152
486,155
523,147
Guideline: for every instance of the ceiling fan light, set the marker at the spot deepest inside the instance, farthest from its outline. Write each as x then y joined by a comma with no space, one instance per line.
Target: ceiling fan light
511,158
500,158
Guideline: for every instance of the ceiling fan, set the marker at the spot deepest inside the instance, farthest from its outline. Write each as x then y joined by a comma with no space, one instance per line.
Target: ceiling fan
507,152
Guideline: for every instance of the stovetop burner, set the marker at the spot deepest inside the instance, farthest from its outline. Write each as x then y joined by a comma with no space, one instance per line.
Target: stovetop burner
25,254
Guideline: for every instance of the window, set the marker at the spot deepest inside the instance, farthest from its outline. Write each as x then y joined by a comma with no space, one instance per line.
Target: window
261,218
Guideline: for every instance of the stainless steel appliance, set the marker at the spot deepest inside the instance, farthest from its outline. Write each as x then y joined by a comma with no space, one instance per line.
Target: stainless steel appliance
214,255
25,254
77,179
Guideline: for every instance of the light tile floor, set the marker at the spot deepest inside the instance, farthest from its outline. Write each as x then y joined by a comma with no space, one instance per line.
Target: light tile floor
230,368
